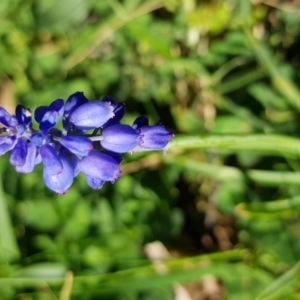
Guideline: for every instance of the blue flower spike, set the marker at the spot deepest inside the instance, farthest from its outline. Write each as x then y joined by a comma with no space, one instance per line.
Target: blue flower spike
65,153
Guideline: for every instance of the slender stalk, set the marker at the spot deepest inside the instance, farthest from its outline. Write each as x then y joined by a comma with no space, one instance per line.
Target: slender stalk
270,144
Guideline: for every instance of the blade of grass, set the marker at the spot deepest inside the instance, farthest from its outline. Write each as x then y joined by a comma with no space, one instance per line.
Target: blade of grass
280,283
282,84
242,113
9,250
239,81
218,75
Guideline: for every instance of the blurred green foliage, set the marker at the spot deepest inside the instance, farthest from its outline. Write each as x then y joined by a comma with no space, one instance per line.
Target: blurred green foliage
220,74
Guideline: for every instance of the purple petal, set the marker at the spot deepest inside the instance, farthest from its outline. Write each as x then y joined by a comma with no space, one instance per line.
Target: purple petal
94,183
40,112
50,159
91,115
74,101
100,165
58,106
29,161
6,119
118,110
61,182
154,137
119,138
49,120
140,121
7,143
23,115
19,153
79,145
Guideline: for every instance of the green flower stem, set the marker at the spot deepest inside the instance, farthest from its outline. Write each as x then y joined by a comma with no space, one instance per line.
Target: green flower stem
267,144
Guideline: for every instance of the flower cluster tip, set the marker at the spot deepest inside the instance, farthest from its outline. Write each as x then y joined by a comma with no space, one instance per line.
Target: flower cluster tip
65,153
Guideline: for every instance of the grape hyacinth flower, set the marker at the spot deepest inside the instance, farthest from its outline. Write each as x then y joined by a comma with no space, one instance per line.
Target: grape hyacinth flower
91,141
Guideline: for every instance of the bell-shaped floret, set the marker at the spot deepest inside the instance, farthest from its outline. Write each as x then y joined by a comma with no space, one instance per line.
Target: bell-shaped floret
119,138
7,119
30,160
7,143
79,145
91,115
118,110
52,115
154,137
100,165
50,160
19,153
23,115
62,181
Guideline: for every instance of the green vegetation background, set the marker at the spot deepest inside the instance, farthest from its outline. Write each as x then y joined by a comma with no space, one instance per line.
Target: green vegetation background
224,200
